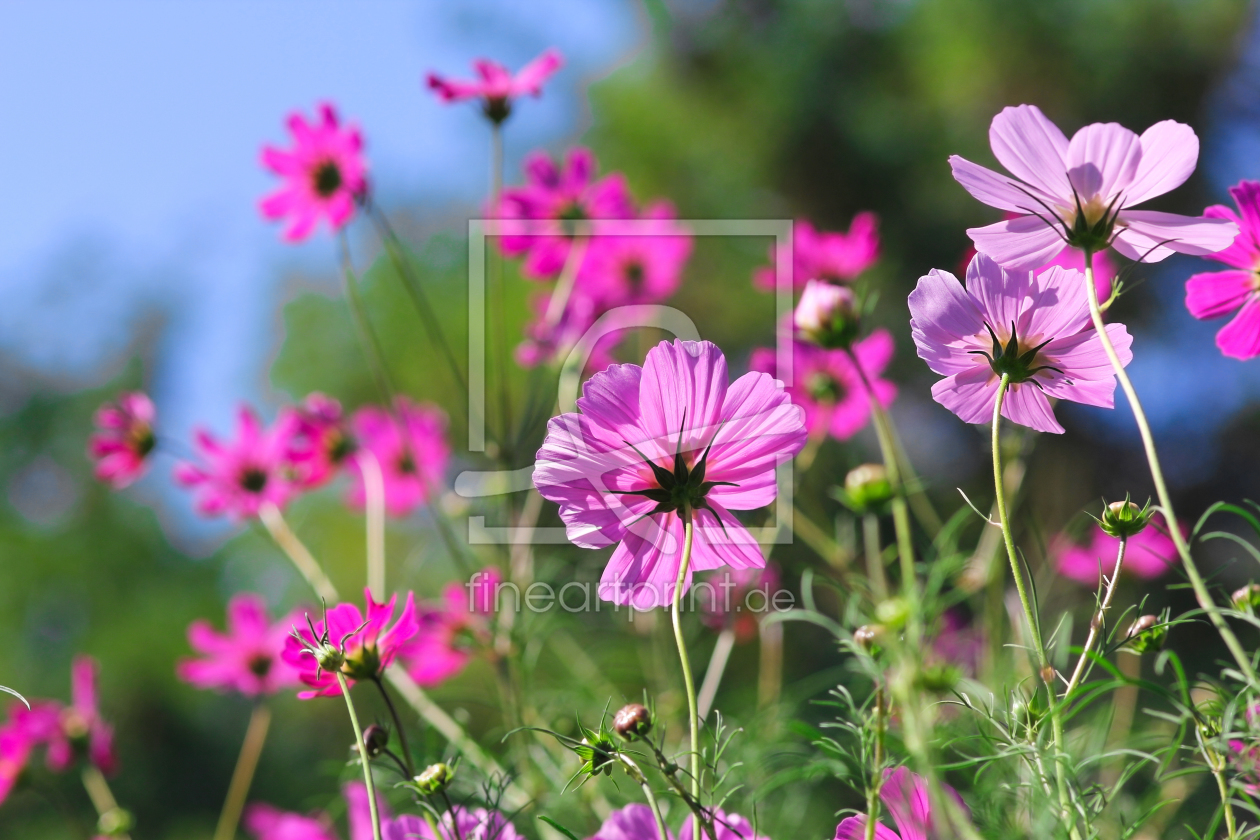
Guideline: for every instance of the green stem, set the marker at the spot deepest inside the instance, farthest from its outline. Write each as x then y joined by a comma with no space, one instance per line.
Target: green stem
243,775
633,771
363,756
368,340
874,557
877,779
1217,764
402,733
498,312
1095,626
688,681
1161,488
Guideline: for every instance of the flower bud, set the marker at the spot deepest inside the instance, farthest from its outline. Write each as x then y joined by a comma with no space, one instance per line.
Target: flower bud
434,778
1146,634
115,822
1124,519
866,489
938,678
375,740
826,314
1247,598
329,657
867,636
893,612
632,721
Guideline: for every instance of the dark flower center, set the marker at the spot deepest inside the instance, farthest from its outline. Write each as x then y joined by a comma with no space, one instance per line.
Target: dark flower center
340,446
1089,226
635,275
259,665
497,108
682,488
1012,360
824,388
327,179
253,479
406,463
569,216
142,440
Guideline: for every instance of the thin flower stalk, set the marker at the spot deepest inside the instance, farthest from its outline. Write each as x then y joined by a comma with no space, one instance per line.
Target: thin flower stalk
398,725
559,300
498,328
688,681
102,797
301,556
877,767
770,665
374,506
243,774
874,557
1095,626
363,756
368,339
717,667
633,771
1161,488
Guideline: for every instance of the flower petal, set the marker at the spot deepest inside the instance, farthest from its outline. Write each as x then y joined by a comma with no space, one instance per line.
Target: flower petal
684,383
1240,338
643,570
1026,404
1170,151
991,188
943,320
1102,160
1024,243
1032,148
969,394
1150,236
1216,293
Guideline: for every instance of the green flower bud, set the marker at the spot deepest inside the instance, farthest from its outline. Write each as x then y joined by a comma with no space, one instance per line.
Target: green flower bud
1247,598
329,657
434,778
1146,634
1124,519
867,636
866,489
893,613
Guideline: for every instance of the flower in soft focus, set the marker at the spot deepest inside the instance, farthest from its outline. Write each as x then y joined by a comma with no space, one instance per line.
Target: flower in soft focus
830,257
1148,554
1104,265
738,599
1081,193
905,796
368,647
81,721
653,442
324,174
551,340
245,659
15,752
268,823
410,447
829,388
124,439
239,476
727,826
1214,294
633,822
320,442
1245,761
957,643
620,270
448,632
1035,328
497,87
552,200
825,315
468,824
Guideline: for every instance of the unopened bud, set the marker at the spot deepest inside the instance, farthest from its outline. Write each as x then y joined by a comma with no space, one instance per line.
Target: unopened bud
826,314
375,740
434,778
867,636
1124,519
1047,675
893,612
329,658
1248,597
866,488
1146,634
632,721
114,822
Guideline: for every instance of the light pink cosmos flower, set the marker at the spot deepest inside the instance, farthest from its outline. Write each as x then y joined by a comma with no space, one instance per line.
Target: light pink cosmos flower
1081,193
247,658
1214,294
905,796
449,632
411,448
542,213
1035,327
727,826
831,257
124,440
267,823
652,441
1149,554
497,87
619,270
320,441
237,477
324,174
829,388
738,599
369,646
819,305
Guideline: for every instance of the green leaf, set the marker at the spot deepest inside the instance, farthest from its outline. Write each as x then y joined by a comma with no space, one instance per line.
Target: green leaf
549,821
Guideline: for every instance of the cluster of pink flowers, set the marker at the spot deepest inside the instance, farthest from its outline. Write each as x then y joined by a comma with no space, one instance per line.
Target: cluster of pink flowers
451,630
635,822
67,733
247,659
834,258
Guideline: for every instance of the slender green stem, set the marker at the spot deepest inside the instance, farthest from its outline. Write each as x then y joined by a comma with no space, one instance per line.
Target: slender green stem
1201,593
398,726
374,520
877,779
717,667
688,681
363,756
103,800
450,810
243,775
633,771
874,557
297,552
368,339
1095,625
1216,763
498,330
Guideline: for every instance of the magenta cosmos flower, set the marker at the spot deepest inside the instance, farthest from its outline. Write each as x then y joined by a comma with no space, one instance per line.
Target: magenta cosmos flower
124,439
1036,328
652,441
320,442
468,823
643,268
1214,294
905,796
239,476
267,823
449,632
1081,193
635,822
81,721
369,646
1149,554
324,174
831,257
542,213
411,449
497,87
247,658
829,388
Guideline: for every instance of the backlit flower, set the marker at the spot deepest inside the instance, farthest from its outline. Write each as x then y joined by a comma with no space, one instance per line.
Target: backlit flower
1081,193
737,599
830,257
497,87
124,440
1214,294
320,441
267,823
1035,328
411,449
368,647
238,476
450,631
830,389
324,174
247,658
905,796
633,822
1149,554
620,270
727,827
653,442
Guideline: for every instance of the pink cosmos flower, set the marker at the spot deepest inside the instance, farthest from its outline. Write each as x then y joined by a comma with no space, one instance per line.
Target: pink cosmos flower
652,442
1036,328
727,826
1081,193
1149,554
15,752
468,824
81,722
551,201
738,599
324,174
829,388
369,646
831,257
819,305
268,823
643,268
497,87
547,342
449,632
1214,294
633,822
237,477
124,440
905,796
411,448
247,658
1245,761
320,442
